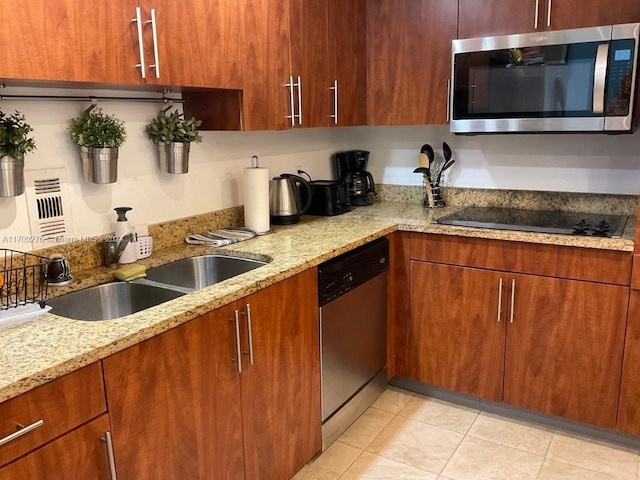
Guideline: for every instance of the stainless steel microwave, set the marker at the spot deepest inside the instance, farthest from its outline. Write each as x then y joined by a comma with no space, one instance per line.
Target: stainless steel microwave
581,80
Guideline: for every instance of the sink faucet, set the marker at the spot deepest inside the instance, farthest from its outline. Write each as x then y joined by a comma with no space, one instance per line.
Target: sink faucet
114,247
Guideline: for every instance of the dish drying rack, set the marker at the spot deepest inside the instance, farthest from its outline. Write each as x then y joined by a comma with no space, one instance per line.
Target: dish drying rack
22,279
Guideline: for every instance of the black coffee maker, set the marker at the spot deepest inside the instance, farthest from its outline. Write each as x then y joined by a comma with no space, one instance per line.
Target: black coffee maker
351,167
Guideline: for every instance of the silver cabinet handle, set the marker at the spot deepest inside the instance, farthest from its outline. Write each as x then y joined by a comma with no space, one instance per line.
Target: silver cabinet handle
112,462
599,77
154,31
138,21
335,102
290,85
238,359
247,313
299,84
549,13
448,100
500,301
513,298
22,431
536,15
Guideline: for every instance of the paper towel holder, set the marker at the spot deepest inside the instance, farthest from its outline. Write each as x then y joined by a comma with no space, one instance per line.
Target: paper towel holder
255,165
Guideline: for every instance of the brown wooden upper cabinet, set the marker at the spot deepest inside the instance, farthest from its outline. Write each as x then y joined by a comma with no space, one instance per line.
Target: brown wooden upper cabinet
113,42
193,44
408,60
500,17
295,53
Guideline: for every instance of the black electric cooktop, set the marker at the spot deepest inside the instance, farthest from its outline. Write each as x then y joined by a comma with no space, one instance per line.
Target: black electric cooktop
586,224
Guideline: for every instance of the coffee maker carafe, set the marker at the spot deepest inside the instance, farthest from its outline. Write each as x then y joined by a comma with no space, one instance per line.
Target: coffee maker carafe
351,167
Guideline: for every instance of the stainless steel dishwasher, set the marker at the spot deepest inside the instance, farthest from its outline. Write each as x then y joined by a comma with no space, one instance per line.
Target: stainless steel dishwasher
353,334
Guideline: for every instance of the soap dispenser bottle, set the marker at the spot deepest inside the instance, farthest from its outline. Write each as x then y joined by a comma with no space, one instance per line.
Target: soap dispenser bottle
122,228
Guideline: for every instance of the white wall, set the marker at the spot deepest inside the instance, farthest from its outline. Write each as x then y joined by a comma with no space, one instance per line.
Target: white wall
580,163
214,180
592,163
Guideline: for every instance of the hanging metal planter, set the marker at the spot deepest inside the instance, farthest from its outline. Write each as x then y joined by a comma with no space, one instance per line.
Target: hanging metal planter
99,165
173,157
11,176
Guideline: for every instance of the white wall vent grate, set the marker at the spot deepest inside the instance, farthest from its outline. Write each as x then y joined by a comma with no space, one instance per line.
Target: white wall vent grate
48,205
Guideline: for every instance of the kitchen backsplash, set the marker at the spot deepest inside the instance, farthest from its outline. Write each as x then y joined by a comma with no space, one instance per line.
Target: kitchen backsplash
569,163
523,199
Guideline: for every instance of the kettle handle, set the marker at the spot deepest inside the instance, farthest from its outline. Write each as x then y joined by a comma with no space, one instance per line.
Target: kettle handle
305,187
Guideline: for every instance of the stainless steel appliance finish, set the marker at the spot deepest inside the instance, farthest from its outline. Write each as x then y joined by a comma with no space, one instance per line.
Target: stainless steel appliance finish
556,81
568,223
289,198
353,317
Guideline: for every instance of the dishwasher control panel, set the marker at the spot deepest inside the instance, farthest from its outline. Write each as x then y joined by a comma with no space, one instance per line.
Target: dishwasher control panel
350,270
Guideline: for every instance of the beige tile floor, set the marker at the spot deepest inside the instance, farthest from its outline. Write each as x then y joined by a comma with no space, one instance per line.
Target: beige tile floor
408,436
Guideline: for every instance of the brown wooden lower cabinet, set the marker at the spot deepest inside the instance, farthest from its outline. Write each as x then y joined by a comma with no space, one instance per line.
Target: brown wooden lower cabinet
565,340
181,408
457,341
80,454
547,344
629,407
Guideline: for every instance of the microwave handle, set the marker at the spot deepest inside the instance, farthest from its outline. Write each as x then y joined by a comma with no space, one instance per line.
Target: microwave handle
599,77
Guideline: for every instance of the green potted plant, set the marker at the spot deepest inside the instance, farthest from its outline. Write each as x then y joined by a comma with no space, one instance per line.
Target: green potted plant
15,142
99,136
173,134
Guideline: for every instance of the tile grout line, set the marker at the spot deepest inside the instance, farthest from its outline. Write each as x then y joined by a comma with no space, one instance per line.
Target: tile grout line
460,443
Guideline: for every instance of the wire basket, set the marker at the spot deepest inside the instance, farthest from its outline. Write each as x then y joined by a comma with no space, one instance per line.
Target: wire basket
22,279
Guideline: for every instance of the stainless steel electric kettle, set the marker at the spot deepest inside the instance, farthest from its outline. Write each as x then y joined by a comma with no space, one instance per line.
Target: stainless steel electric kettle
289,197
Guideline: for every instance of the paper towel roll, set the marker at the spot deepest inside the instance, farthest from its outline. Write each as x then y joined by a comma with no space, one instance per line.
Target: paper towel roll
256,199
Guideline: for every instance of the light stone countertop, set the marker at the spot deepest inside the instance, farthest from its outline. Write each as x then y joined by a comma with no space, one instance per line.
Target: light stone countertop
38,351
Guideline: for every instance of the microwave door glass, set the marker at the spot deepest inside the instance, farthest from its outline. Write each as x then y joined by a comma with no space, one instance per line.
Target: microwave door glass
533,82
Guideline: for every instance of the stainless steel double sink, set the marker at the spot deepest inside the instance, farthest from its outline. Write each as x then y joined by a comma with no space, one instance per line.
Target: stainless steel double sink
164,283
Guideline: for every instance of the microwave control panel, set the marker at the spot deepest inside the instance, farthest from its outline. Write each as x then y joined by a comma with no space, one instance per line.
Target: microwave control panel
620,77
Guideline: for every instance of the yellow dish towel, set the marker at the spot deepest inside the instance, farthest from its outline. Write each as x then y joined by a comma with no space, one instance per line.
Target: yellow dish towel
130,272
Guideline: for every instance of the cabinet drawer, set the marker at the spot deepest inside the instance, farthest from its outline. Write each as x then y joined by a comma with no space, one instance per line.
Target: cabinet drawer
79,454
604,266
61,405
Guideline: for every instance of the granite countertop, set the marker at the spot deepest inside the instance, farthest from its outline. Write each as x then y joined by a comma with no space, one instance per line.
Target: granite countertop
38,351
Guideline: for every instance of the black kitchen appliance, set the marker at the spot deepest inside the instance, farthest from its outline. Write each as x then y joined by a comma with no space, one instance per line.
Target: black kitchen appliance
568,223
328,197
351,168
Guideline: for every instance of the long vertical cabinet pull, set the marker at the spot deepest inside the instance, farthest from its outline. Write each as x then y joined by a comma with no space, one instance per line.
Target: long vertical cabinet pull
335,102
138,21
154,31
500,301
299,85
112,462
536,15
549,13
238,360
290,86
513,298
247,313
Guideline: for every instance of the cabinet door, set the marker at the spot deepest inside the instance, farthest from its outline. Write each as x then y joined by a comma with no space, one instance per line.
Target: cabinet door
266,101
409,60
69,40
77,455
457,328
564,348
174,403
198,43
308,36
498,17
629,408
566,14
281,390
347,61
